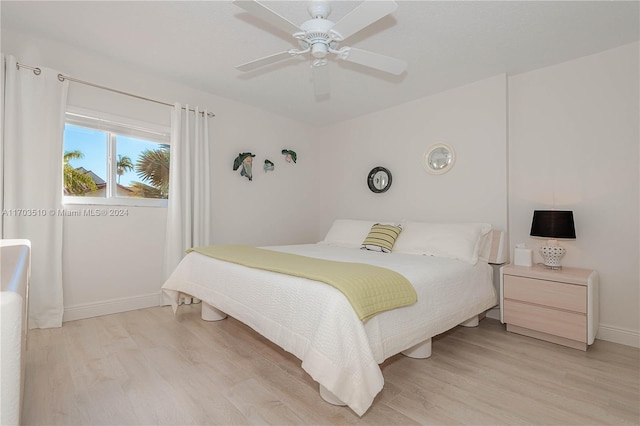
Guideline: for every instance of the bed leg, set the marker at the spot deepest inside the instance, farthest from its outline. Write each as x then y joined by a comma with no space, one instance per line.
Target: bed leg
209,313
471,322
329,397
420,351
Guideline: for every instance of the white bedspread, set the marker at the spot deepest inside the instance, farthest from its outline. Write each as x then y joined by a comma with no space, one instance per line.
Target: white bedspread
316,323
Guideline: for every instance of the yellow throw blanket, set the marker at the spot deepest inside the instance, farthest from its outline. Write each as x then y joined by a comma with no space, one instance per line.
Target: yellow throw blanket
370,289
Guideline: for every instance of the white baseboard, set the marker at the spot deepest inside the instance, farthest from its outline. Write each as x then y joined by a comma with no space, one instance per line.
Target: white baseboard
112,306
618,335
605,332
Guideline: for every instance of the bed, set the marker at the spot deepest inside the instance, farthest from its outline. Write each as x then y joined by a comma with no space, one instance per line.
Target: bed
447,264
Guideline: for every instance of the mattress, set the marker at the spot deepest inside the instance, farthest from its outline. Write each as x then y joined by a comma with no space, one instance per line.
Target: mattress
316,323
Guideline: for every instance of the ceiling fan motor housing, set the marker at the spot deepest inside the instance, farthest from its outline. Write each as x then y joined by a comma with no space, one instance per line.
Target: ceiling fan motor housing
316,36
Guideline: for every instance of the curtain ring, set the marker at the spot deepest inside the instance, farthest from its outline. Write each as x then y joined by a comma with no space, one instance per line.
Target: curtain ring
60,77
37,71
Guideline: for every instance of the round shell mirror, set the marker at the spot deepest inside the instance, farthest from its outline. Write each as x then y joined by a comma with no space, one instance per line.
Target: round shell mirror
439,159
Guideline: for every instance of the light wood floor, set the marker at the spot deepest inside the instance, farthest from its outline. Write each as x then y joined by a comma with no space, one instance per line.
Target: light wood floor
149,367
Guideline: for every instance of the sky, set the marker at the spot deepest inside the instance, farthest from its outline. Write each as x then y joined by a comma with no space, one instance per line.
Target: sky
93,144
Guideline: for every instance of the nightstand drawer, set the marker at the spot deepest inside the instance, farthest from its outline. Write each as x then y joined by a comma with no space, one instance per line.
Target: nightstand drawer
559,323
570,297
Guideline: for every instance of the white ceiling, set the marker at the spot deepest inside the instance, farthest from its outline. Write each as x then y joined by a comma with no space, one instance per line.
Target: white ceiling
446,44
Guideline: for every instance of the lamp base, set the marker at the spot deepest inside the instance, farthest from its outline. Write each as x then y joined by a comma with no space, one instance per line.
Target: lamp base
552,256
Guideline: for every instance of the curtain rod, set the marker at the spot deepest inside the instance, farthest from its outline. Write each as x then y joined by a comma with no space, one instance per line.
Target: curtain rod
63,77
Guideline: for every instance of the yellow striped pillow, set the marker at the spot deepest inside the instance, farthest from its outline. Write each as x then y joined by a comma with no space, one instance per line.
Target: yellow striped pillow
381,238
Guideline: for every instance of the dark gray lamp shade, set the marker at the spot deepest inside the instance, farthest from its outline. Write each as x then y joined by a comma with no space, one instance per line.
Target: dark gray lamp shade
553,224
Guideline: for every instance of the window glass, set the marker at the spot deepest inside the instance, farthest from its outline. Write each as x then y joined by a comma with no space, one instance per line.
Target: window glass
142,168
85,161
108,162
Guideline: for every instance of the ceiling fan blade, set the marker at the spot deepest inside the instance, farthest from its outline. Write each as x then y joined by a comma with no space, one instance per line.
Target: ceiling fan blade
362,16
267,60
373,60
263,12
320,79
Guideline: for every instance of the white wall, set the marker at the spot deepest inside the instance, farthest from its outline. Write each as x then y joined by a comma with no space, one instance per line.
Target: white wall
112,264
573,144
471,119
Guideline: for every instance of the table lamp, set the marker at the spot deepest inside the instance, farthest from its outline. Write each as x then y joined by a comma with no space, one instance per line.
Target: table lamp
553,224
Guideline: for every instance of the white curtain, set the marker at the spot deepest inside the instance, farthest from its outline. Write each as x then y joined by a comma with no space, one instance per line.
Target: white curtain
189,211
34,107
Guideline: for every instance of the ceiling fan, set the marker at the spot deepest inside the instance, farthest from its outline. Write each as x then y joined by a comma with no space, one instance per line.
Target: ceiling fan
320,37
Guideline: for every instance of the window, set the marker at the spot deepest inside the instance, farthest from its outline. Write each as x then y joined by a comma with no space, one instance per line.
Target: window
111,160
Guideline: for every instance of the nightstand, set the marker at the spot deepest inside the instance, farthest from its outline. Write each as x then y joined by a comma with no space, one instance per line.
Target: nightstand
559,306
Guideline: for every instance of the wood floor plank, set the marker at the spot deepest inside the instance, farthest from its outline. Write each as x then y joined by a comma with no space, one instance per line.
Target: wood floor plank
154,400
557,389
50,371
198,389
153,367
259,405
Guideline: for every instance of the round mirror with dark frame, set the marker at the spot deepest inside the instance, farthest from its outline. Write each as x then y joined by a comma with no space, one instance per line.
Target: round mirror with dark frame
379,180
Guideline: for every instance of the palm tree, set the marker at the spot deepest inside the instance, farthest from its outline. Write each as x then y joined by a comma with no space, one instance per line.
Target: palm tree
75,181
153,168
123,165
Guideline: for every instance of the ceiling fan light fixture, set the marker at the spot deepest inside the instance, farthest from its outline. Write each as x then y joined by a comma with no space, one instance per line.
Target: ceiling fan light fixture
319,50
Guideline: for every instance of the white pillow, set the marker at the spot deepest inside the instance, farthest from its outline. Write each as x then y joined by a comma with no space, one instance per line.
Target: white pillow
348,232
461,241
